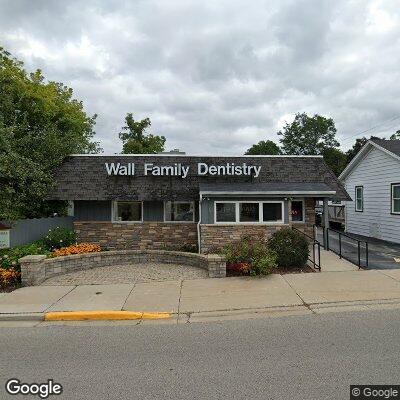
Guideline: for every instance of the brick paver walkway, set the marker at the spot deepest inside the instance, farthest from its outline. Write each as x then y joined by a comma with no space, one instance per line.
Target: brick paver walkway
128,274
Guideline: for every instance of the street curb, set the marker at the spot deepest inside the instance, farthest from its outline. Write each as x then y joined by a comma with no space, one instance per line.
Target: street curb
103,315
22,317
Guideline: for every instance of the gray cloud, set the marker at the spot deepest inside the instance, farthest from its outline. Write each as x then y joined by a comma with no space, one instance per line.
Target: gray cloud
216,77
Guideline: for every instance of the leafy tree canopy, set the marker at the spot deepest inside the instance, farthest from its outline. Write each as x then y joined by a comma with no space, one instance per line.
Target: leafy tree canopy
267,147
336,159
40,124
136,141
308,135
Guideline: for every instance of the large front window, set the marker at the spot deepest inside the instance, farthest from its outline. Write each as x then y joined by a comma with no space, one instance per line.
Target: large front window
225,212
179,211
272,212
395,208
129,211
249,212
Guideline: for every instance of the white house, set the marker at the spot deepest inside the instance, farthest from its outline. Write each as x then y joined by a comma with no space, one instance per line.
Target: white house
373,181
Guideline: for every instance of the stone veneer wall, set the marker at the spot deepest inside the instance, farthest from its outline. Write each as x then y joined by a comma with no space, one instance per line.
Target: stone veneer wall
37,268
215,236
137,236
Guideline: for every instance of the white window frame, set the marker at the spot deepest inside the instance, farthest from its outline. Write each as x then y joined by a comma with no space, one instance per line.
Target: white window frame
304,211
179,222
362,198
392,198
114,211
260,212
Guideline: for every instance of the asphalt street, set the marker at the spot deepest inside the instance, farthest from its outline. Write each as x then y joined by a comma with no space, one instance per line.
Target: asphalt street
301,357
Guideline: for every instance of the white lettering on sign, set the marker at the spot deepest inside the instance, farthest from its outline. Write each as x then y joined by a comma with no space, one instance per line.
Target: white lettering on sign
5,239
118,169
178,169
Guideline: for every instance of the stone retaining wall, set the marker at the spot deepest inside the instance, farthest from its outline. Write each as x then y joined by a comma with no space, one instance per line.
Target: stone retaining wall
37,268
137,236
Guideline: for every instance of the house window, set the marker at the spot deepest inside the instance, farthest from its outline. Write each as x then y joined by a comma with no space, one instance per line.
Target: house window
272,212
249,212
179,211
395,208
359,198
128,211
225,212
297,210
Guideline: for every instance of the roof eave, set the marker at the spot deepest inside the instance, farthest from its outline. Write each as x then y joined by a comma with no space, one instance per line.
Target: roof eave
272,193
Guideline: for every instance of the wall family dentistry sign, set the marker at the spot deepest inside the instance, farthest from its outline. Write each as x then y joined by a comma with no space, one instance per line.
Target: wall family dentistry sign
178,169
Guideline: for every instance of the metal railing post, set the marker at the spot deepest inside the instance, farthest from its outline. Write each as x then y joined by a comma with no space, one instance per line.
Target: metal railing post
366,254
327,239
340,245
319,256
359,253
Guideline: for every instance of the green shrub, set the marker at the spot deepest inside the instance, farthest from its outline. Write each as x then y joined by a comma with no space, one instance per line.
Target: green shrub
264,265
59,237
252,253
9,257
291,248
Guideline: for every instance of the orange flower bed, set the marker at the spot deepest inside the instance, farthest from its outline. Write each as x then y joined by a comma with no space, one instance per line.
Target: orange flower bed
76,249
9,277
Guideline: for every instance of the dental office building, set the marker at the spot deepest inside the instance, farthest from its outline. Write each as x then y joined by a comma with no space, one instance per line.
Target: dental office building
175,201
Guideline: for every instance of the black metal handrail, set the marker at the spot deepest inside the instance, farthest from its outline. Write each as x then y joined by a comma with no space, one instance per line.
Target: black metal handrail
340,253
315,242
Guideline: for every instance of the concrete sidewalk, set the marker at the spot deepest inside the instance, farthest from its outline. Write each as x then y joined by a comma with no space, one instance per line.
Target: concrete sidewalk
197,298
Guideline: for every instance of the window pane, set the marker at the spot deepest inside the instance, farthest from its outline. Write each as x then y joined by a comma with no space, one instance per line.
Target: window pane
359,204
179,211
272,212
297,211
226,212
129,211
396,206
248,212
396,192
359,193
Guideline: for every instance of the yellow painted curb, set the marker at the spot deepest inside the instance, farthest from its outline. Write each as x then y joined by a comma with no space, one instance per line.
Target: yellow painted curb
102,315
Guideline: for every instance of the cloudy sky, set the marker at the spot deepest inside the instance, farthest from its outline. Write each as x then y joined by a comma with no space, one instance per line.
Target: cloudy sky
216,76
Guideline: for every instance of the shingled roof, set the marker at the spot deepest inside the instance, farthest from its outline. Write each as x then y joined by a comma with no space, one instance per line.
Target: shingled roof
84,177
390,145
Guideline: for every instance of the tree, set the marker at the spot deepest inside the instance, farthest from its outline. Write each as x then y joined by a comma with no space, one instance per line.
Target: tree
40,124
359,143
308,135
267,147
136,141
336,159
395,136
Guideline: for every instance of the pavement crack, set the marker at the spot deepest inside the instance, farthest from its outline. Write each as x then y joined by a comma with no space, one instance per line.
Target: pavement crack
298,295
127,297
52,304
179,302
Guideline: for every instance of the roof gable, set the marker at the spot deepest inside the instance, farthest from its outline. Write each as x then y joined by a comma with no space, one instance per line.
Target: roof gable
390,147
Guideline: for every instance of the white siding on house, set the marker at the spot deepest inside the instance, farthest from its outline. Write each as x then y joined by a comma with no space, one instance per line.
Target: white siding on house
375,173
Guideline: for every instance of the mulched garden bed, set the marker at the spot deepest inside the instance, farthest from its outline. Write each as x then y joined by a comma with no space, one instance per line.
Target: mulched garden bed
9,289
279,270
